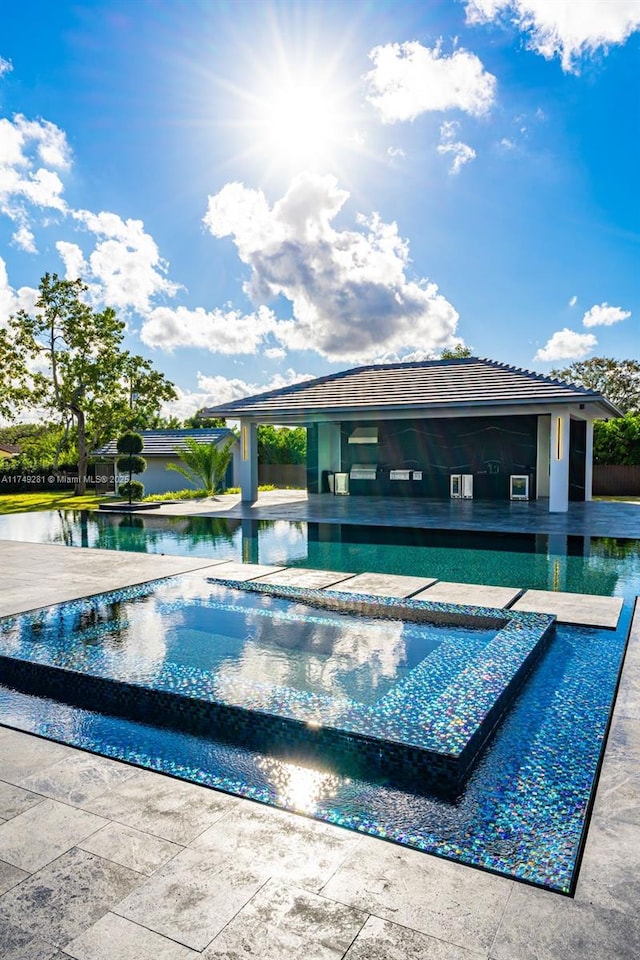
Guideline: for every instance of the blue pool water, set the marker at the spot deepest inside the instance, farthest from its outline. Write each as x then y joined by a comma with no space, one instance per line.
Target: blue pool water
189,624
522,812
576,564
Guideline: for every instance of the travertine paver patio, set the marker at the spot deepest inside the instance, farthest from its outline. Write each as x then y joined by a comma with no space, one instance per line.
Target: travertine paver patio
102,861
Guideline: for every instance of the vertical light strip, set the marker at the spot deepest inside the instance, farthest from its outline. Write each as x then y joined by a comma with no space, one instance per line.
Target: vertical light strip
245,442
559,438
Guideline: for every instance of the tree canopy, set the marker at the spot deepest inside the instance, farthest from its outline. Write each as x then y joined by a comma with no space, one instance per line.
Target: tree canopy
617,441
282,445
458,352
617,380
198,422
67,359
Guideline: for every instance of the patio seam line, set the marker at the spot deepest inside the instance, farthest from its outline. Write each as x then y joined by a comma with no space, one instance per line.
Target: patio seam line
364,922
502,915
9,784
137,923
421,589
509,604
28,873
238,911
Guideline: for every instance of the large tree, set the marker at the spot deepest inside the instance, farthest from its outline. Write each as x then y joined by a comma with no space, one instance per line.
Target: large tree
68,360
617,380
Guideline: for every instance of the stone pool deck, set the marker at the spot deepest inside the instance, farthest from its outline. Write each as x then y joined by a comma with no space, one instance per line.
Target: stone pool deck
102,861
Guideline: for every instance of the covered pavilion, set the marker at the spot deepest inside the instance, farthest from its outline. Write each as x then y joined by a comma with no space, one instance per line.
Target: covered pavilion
419,429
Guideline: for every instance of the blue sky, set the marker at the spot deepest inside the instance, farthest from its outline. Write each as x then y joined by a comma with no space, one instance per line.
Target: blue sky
268,191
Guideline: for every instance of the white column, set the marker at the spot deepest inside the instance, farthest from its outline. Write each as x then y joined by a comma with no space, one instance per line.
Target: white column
559,463
588,462
248,461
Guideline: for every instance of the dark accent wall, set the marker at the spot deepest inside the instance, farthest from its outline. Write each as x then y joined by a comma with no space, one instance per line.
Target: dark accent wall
577,458
312,459
490,448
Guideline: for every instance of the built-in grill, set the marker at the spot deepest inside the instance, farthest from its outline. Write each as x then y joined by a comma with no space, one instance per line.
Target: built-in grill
363,471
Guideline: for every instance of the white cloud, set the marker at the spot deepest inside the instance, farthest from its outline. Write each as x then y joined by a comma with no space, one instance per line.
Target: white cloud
461,153
408,79
124,269
275,353
50,142
5,66
217,330
573,301
568,29
394,152
40,188
567,345
602,315
24,183
350,293
213,391
419,356
416,356
13,300
73,259
24,238
125,262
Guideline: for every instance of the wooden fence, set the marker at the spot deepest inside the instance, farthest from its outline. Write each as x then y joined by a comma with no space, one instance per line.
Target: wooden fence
609,481
283,474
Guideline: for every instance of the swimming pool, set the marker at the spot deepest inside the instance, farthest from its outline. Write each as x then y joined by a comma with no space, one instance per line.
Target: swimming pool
412,689
546,562
520,811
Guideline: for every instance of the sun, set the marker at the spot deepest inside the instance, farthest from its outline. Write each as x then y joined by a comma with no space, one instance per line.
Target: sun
303,124
293,102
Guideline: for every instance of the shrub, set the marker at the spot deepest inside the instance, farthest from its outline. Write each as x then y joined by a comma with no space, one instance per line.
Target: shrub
132,489
130,445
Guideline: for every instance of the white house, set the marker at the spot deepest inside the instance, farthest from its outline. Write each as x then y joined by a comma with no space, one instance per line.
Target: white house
159,450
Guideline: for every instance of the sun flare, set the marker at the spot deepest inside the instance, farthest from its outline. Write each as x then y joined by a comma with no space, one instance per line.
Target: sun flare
303,123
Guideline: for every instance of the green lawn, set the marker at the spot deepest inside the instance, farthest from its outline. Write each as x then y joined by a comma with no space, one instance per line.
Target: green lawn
30,502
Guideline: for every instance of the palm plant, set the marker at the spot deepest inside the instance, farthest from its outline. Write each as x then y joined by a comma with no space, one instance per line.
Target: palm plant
203,464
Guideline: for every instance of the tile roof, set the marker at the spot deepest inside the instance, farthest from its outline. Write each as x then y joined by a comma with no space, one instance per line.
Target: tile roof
162,443
431,384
